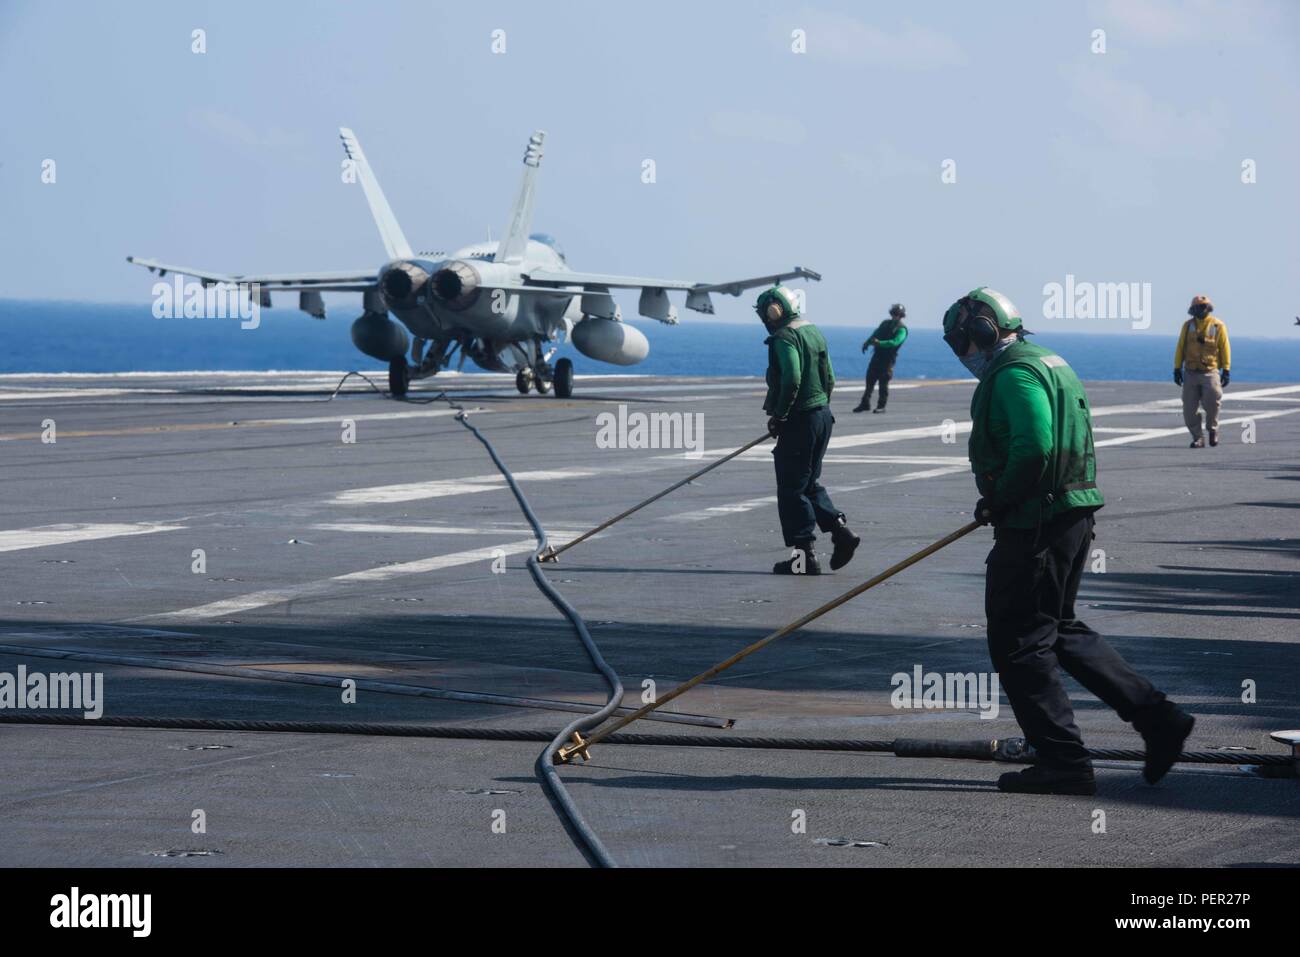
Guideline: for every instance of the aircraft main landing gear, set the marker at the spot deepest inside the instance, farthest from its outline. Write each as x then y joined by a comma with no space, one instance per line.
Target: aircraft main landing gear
524,381
563,378
399,377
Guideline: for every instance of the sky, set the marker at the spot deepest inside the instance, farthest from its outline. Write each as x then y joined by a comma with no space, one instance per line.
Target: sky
909,153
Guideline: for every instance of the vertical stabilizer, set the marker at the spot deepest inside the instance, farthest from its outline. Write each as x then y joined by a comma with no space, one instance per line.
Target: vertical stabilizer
515,240
391,233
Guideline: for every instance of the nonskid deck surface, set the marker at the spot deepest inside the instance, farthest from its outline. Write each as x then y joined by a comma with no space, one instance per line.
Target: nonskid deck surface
373,560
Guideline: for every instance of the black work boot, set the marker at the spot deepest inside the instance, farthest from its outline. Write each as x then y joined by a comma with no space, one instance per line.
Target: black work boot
846,543
1164,730
880,408
1214,437
802,562
1197,443
1045,779
863,406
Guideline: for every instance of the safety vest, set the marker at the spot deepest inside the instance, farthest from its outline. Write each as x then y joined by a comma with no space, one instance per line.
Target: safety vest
817,378
1200,349
1070,478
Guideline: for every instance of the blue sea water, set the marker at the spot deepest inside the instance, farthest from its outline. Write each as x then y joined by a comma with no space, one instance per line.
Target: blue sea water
42,336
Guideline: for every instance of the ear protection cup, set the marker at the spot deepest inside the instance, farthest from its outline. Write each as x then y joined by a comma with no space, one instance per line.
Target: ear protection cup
972,325
983,330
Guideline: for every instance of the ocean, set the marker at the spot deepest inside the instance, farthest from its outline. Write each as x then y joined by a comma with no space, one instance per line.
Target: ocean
50,337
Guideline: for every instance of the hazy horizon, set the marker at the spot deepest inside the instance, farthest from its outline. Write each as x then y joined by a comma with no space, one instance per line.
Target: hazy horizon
1122,166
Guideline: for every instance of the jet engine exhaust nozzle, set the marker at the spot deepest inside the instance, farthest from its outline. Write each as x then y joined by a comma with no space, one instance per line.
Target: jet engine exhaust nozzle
456,285
402,283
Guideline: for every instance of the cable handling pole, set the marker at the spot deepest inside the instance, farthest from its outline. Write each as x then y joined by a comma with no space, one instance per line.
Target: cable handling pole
580,745
552,553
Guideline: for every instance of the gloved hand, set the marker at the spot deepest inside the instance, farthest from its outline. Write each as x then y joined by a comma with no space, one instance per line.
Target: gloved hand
1223,377
774,426
865,344
988,514
1178,377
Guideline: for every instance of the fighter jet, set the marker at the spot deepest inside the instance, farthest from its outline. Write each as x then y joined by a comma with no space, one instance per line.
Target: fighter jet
503,304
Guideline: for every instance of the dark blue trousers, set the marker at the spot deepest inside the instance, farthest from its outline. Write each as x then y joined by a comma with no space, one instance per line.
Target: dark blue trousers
1034,635
801,501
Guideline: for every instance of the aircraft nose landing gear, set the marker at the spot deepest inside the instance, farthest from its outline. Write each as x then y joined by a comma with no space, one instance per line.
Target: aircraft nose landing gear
540,375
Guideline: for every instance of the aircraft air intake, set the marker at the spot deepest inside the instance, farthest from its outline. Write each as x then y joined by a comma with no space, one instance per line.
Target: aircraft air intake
456,285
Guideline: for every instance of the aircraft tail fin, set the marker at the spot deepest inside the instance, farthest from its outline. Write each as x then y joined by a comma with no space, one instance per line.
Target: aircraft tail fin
391,233
515,240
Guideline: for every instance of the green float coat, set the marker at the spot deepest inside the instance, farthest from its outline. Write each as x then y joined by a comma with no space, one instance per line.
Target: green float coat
1031,437
799,374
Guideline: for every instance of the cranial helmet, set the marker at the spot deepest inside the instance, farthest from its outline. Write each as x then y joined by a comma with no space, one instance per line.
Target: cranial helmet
980,316
897,310
1200,302
777,304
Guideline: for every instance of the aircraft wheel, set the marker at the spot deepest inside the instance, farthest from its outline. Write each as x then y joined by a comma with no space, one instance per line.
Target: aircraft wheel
524,381
399,377
543,385
564,378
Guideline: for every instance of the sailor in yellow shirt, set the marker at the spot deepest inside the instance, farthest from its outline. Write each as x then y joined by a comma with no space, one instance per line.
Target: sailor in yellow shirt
1201,367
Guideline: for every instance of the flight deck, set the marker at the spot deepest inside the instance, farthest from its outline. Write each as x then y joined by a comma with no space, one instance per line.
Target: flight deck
195,537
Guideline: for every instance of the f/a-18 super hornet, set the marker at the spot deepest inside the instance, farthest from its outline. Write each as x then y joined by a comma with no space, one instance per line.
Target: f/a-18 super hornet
503,304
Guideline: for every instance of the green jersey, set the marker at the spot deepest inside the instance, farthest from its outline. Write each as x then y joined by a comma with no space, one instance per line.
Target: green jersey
890,336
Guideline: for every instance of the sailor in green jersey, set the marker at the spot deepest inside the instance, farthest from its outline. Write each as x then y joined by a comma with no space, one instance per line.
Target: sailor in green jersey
885,341
799,385
1032,454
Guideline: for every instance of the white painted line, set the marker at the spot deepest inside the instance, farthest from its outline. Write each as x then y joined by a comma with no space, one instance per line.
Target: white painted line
380,529
416,491
1182,430
326,586
753,503
897,460
1286,400
13,540
67,393
365,417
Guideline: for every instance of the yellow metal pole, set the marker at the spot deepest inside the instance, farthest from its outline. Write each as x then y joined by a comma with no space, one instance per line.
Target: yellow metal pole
581,745
552,554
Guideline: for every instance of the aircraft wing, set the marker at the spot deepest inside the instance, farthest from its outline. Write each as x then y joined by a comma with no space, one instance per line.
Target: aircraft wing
654,299
340,281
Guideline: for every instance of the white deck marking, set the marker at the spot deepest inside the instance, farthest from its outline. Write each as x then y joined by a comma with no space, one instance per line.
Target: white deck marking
749,505
13,540
415,491
898,460
381,529
1182,430
325,586
240,424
